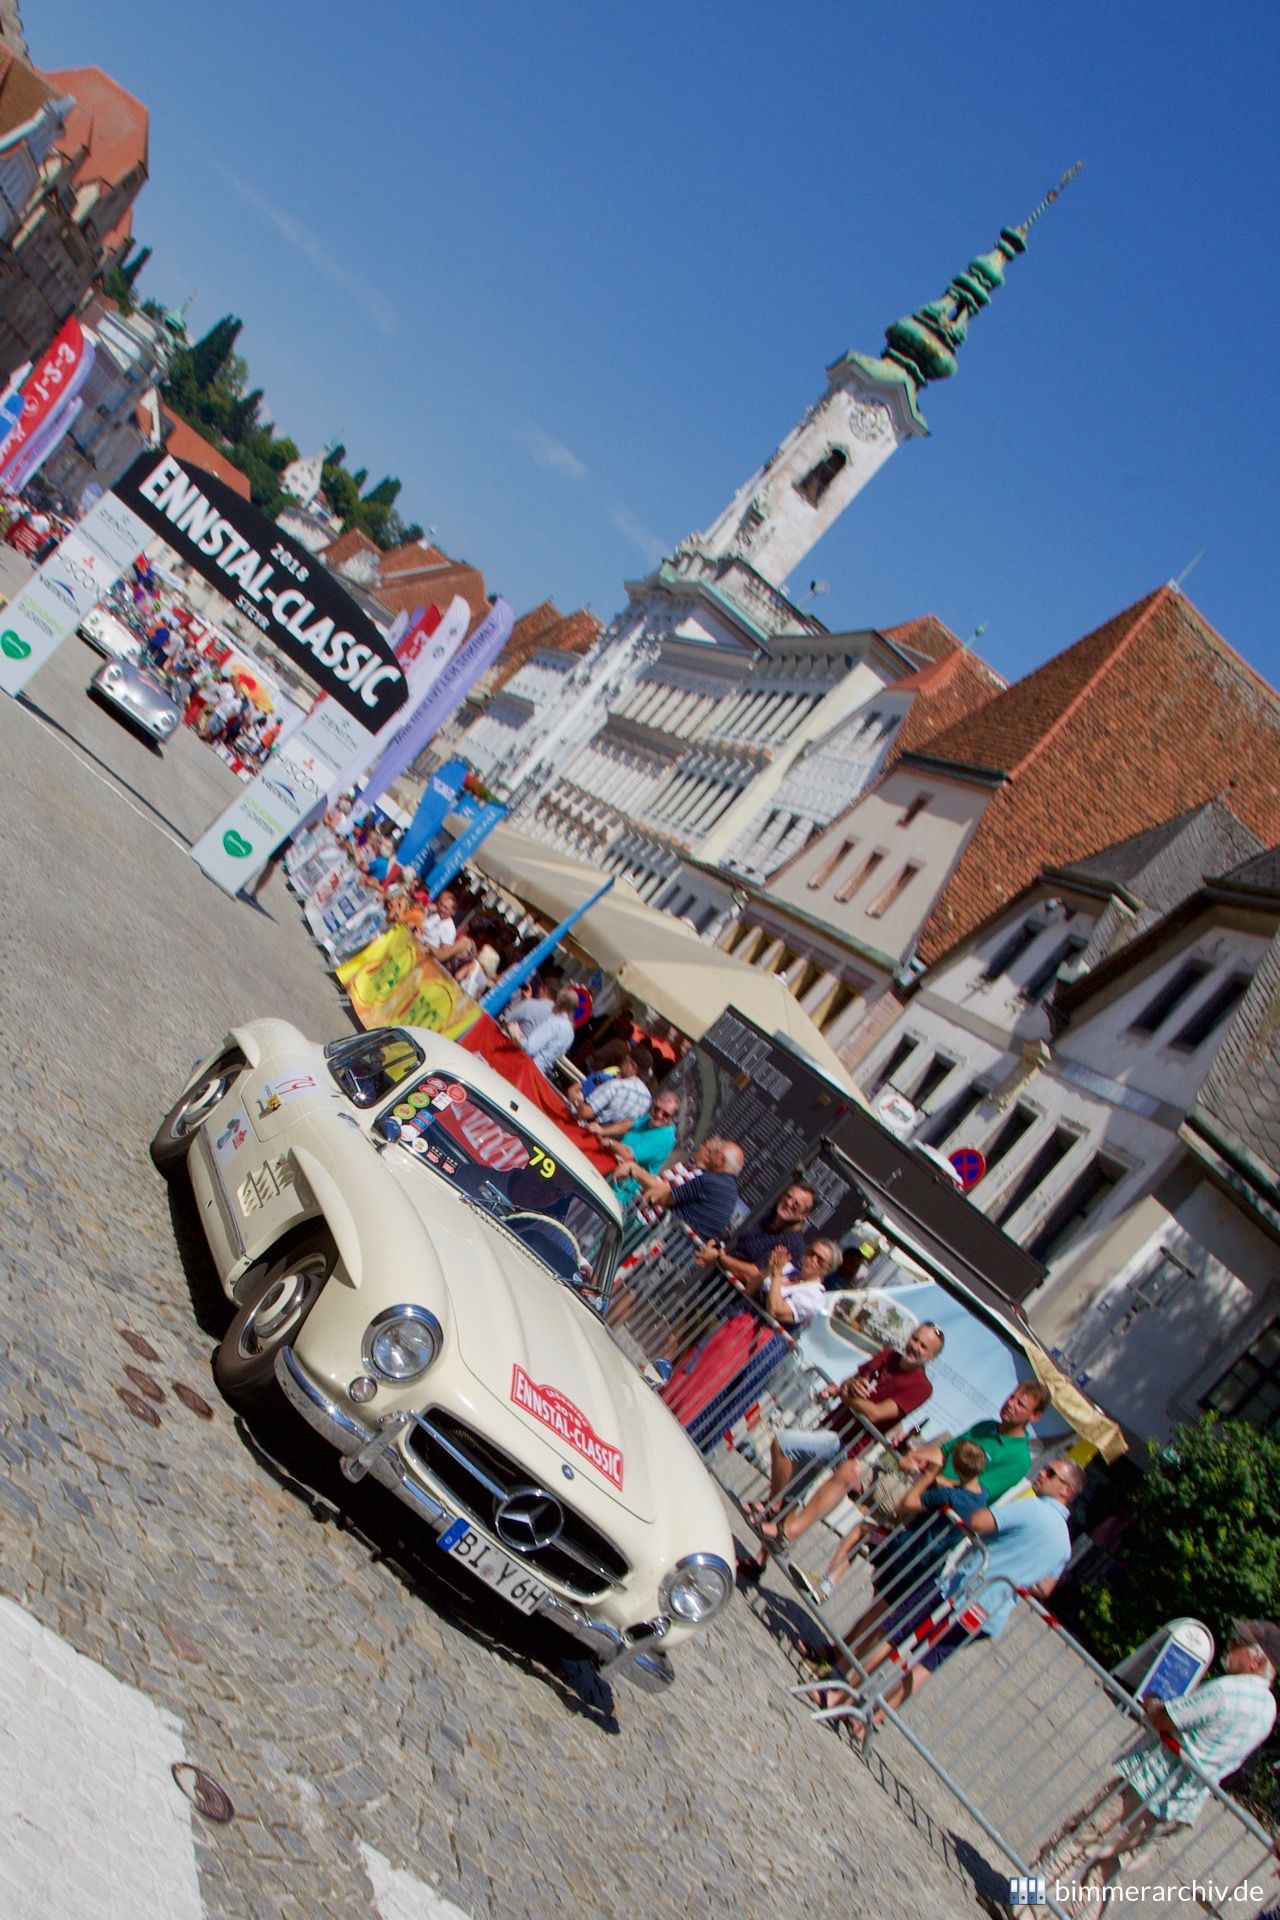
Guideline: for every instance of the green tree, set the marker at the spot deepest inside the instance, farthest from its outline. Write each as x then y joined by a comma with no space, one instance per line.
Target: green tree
1204,1540
210,355
133,267
116,286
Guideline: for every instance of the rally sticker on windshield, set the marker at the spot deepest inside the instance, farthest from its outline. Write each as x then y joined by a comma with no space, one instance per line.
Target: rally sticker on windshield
557,1411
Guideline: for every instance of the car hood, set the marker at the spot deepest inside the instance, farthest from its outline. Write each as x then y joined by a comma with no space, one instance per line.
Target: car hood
533,1345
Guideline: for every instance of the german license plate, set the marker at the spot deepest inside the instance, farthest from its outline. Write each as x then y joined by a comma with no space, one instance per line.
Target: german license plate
488,1563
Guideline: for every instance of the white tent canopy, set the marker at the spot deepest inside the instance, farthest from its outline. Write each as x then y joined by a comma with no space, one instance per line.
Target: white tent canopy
652,956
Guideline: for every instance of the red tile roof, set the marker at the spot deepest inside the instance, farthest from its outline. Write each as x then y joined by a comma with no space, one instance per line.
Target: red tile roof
109,128
927,636
945,692
354,540
436,585
184,443
545,626
411,556
1150,714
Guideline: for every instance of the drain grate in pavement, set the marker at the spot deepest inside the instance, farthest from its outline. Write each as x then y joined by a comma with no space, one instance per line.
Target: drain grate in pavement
140,1409
142,1347
149,1389
193,1401
203,1791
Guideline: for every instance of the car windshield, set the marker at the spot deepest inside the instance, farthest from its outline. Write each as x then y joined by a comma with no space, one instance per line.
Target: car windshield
369,1066
489,1156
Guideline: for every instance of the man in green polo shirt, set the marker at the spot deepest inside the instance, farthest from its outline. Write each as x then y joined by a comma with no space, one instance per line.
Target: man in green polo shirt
1004,1441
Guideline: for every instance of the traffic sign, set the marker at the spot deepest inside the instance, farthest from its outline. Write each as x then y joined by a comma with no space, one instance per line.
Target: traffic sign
970,1164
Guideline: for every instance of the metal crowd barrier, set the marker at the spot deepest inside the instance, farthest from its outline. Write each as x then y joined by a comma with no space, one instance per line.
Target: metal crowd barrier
1023,1730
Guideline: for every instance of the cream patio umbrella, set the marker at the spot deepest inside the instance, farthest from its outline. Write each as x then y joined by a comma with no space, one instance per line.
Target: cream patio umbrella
652,956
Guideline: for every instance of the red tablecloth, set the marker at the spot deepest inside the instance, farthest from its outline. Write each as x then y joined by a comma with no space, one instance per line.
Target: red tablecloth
509,1059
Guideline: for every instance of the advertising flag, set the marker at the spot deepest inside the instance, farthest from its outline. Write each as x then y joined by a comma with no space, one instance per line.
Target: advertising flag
500,993
407,737
44,387
436,804
463,847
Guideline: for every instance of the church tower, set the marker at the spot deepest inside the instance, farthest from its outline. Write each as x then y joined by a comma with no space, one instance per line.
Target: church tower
724,590
870,407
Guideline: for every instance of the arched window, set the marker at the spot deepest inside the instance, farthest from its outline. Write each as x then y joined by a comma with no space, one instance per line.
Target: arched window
819,478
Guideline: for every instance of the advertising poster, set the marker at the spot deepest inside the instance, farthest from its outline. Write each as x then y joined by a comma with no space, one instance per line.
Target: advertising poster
391,983
74,578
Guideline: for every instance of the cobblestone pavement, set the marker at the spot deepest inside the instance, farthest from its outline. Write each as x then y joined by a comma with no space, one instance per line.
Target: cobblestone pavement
390,1741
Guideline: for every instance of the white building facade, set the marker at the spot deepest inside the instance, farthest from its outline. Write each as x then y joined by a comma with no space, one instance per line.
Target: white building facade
671,742
1078,1094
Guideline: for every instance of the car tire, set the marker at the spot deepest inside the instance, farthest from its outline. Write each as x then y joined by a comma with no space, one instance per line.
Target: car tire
273,1305
173,1136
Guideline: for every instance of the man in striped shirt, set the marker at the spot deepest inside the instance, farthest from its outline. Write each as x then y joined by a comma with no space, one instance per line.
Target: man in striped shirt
1217,1726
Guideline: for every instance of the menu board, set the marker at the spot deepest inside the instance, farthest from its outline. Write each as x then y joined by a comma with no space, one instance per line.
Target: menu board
744,1085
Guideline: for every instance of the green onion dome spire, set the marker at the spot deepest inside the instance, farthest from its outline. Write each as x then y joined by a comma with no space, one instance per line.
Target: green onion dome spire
925,344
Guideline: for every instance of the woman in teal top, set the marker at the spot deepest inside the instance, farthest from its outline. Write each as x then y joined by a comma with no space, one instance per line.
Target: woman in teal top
650,1144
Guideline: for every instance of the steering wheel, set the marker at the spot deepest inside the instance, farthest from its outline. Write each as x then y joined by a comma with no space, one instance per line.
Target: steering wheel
546,1220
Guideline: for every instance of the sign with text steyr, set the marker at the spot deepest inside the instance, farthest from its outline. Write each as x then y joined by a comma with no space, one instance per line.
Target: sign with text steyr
276,584
272,581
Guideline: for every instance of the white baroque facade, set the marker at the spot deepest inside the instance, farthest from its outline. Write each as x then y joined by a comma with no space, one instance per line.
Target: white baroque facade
673,741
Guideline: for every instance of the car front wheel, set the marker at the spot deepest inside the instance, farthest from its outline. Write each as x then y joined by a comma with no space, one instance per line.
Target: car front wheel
172,1140
273,1306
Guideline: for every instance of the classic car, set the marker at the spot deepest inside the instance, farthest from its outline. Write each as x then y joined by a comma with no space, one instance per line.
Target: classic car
420,1261
104,629
138,697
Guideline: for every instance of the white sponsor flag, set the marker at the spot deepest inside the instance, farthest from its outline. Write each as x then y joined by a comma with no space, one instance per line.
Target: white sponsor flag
446,693
422,673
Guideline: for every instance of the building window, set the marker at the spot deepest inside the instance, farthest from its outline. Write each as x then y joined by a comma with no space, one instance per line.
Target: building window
824,872
1013,948
932,1078
819,478
1020,1121
1250,1389
917,806
1045,977
1083,1197
1037,1170
859,877
1171,994
947,1119
893,1065
892,893
1211,1013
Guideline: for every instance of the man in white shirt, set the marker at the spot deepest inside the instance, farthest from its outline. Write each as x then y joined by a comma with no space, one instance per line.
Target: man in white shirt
438,929
553,1036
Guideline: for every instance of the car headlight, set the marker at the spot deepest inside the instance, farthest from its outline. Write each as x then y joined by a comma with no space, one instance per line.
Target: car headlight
167,722
698,1588
401,1343
110,675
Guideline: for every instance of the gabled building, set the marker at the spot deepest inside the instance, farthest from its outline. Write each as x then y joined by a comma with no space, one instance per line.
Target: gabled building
1150,715
1104,1043
78,221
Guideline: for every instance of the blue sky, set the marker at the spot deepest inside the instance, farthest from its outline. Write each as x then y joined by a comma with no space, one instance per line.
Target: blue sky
572,271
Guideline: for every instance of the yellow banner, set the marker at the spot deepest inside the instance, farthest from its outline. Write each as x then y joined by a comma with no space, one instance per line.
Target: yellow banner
391,983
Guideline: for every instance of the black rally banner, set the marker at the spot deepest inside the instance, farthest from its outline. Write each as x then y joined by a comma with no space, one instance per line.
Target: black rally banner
272,581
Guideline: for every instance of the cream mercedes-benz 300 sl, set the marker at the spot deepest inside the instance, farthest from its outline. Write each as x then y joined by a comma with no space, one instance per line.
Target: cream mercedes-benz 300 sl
420,1260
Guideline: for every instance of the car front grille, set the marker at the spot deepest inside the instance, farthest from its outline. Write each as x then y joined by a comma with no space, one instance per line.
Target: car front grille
481,1476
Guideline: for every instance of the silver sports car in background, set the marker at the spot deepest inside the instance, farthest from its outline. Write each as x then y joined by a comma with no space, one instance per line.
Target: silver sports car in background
137,696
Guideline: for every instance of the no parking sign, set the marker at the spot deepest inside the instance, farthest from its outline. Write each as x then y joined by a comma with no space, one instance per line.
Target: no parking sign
970,1164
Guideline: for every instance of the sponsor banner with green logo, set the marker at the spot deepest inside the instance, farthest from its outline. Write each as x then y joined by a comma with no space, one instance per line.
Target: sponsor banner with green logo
59,593
292,785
